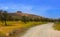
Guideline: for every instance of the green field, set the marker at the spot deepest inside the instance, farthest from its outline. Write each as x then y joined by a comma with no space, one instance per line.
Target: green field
16,26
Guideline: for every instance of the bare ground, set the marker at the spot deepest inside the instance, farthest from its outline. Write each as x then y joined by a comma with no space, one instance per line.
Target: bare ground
45,30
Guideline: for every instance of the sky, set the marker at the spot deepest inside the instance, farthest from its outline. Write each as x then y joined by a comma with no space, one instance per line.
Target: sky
45,8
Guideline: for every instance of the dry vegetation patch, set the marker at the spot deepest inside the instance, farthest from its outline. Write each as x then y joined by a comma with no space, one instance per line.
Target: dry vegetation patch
15,28
57,26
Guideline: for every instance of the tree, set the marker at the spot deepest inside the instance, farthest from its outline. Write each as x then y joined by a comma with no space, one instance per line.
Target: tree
30,19
5,16
10,18
37,19
24,19
1,15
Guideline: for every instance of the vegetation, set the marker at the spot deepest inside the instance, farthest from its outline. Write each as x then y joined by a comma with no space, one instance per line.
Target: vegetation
14,26
24,19
4,16
57,26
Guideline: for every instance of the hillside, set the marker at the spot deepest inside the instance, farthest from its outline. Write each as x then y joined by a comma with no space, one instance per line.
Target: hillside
20,14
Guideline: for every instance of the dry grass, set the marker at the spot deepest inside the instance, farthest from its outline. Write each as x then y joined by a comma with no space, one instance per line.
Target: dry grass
57,26
13,25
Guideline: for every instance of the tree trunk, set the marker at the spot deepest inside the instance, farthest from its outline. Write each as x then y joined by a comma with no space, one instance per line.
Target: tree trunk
5,23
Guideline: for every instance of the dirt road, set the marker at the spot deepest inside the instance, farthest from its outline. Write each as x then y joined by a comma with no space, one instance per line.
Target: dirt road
44,30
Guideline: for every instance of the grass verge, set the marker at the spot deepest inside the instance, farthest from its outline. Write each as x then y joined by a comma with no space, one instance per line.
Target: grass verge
57,26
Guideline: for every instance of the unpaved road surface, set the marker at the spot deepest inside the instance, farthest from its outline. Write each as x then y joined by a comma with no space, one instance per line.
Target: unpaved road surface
44,30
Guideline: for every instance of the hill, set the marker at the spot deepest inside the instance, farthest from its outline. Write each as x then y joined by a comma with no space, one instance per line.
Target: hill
19,14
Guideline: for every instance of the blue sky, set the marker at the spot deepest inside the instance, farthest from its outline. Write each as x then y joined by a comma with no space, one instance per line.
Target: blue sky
45,8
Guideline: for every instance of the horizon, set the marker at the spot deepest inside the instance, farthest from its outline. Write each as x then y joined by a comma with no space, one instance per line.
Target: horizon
45,8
